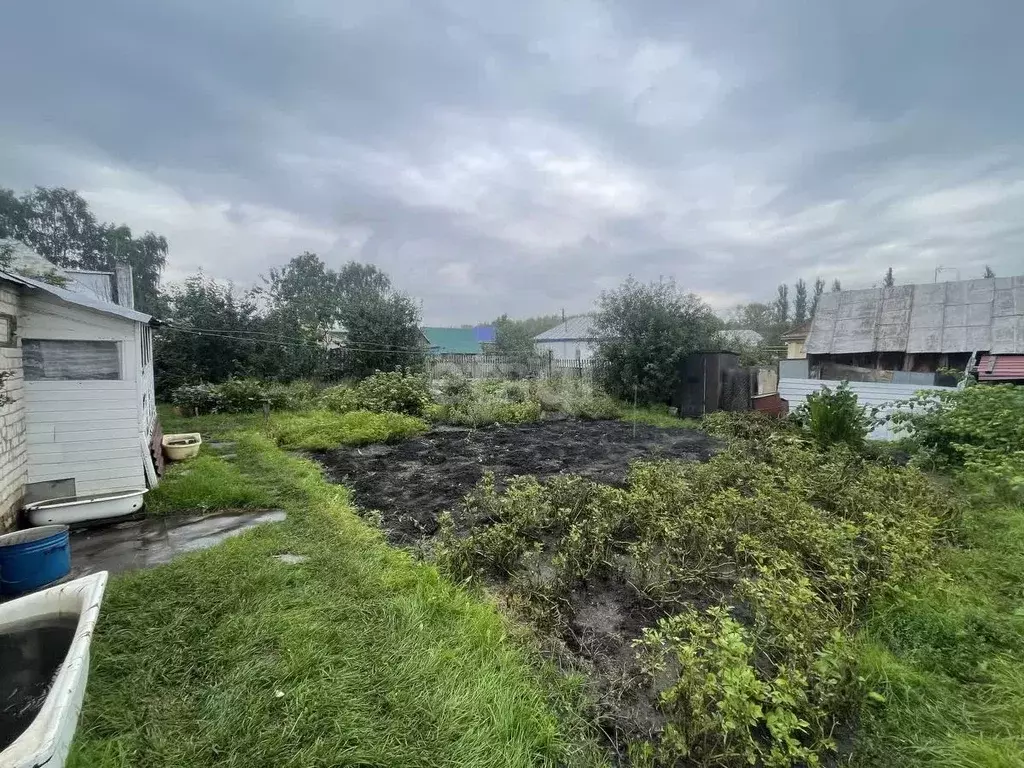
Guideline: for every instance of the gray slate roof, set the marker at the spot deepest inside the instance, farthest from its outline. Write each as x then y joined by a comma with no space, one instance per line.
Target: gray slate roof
573,329
964,316
78,299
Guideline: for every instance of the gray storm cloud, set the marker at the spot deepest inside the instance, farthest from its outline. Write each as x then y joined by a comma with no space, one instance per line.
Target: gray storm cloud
522,157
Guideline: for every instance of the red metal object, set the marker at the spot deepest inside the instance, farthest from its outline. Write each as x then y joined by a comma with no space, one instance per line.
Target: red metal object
771,403
1001,368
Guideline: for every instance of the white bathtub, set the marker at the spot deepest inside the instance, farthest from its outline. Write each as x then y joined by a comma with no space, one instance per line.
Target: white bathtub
47,738
82,509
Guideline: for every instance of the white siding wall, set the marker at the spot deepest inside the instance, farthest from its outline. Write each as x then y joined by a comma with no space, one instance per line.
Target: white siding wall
86,430
12,421
869,394
568,350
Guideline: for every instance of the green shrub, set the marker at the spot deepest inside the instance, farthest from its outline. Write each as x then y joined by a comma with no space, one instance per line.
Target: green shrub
324,430
454,388
196,399
834,416
243,396
748,425
340,399
294,396
485,411
390,392
761,559
979,428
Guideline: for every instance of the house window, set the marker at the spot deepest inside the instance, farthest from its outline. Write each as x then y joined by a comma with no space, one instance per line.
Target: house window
147,346
49,360
8,324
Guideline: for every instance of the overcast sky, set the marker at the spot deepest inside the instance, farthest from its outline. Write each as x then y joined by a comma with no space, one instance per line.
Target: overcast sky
521,157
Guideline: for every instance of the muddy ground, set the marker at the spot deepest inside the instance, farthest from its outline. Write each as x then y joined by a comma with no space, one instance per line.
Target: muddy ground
410,483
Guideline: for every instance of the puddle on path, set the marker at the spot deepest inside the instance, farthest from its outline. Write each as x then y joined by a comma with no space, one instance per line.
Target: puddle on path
154,541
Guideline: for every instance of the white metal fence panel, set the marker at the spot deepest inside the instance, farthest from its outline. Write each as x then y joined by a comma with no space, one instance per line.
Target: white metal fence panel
869,394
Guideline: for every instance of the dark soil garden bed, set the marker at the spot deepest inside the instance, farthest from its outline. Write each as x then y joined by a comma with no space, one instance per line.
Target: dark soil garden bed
406,486
410,483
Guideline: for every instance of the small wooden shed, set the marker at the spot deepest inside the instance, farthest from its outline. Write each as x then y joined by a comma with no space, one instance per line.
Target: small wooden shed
88,405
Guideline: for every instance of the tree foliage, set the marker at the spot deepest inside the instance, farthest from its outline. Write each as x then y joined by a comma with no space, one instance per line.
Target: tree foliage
515,337
989,274
819,288
307,321
782,304
59,225
646,330
800,304
210,335
836,286
888,281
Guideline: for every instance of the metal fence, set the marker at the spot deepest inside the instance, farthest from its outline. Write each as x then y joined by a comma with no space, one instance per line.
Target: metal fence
510,367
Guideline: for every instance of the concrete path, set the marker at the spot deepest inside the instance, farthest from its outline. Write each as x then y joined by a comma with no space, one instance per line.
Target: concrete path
155,541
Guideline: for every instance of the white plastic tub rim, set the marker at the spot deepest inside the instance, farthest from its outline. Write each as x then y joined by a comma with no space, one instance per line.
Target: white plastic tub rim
47,739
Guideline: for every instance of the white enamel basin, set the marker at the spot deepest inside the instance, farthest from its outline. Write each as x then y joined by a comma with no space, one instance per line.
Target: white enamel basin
46,739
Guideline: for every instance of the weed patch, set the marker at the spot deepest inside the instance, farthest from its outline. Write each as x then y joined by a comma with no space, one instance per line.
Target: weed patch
323,430
759,563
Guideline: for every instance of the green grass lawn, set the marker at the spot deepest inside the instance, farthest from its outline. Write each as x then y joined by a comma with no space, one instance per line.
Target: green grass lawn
948,656
357,656
658,417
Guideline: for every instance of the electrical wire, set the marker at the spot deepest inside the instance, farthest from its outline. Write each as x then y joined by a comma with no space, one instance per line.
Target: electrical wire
282,337
362,347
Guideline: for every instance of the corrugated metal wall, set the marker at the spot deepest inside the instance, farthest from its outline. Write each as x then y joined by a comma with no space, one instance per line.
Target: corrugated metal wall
869,394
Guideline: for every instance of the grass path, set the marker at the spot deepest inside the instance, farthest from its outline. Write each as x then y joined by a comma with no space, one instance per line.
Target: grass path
358,656
948,656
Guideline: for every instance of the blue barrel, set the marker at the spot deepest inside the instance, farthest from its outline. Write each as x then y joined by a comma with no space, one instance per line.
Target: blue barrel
33,558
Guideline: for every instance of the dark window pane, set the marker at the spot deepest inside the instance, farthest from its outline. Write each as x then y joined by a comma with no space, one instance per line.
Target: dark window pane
70,360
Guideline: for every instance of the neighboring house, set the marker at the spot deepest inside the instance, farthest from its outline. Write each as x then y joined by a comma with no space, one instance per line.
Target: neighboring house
796,342
459,341
83,419
741,337
920,328
573,339
337,337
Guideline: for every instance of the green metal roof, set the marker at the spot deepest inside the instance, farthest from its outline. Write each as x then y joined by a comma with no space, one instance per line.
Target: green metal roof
452,341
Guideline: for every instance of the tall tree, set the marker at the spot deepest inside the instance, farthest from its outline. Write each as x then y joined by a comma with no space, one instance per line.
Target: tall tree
12,215
800,302
58,224
515,337
146,255
646,331
819,288
989,274
888,281
782,305
381,324
210,334
836,286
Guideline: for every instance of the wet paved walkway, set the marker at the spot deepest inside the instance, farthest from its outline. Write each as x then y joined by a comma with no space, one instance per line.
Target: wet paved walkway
155,541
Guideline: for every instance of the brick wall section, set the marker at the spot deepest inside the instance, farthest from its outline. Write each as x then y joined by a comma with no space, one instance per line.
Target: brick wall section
12,421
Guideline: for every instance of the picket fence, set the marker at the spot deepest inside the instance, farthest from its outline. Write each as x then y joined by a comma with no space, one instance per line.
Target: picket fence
506,367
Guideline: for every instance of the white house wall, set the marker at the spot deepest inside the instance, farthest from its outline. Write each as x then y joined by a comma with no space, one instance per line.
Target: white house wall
86,430
571,349
869,395
12,420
